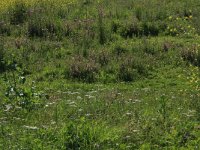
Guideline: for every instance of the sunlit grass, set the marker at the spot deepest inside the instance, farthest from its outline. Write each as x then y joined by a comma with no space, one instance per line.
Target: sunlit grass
4,4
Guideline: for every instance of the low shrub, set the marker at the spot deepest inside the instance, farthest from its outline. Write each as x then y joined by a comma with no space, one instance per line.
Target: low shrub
130,30
102,34
149,47
136,29
36,29
18,13
5,28
84,134
141,67
150,29
139,13
180,26
77,136
119,49
2,64
104,58
18,94
192,55
131,69
43,29
127,73
115,25
83,69
45,26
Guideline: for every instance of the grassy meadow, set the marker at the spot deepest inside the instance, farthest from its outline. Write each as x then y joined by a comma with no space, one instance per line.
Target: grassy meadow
99,75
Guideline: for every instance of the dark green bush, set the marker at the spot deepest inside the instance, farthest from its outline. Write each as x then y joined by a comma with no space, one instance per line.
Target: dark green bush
130,30
115,25
18,13
18,94
132,68
136,29
150,28
84,134
4,28
45,26
195,20
83,69
149,47
36,28
187,12
127,73
119,49
139,13
102,34
2,64
104,58
141,67
192,55
79,136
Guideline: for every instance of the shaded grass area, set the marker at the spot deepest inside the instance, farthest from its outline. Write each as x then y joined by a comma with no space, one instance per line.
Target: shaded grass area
162,112
143,114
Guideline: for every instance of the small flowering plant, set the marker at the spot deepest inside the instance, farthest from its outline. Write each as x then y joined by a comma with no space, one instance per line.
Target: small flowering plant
180,26
194,78
20,94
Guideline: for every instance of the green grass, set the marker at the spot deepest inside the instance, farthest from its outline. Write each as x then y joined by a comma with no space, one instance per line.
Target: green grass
100,75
